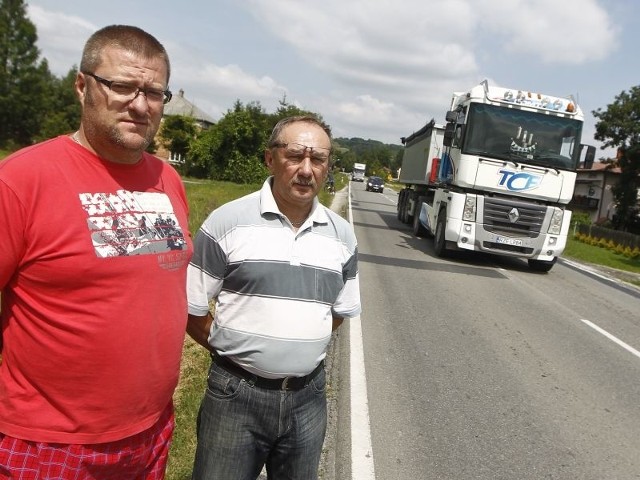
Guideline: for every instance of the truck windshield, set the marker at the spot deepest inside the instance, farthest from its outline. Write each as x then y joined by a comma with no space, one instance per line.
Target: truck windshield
522,136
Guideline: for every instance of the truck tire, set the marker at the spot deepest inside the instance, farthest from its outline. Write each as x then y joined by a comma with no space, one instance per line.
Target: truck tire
542,265
439,241
400,204
418,229
408,218
404,209
403,214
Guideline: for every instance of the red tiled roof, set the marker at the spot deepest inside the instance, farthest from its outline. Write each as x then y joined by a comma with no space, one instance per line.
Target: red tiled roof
599,167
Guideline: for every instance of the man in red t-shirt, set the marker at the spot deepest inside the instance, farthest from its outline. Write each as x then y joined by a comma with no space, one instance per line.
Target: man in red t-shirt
93,305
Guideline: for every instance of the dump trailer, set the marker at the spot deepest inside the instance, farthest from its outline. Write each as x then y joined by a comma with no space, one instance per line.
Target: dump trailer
497,175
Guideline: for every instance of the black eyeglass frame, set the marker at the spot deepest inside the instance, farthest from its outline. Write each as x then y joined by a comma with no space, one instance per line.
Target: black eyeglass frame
108,83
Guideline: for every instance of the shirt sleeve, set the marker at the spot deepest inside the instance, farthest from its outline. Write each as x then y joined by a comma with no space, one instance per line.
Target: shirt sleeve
205,273
348,302
12,233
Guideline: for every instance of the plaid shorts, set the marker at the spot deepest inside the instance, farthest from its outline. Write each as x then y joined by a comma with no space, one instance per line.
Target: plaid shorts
142,456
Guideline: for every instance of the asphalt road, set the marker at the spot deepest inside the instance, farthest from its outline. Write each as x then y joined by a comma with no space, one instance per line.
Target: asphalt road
478,368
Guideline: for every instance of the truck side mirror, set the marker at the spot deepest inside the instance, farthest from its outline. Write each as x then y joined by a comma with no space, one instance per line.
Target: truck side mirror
449,131
452,116
589,157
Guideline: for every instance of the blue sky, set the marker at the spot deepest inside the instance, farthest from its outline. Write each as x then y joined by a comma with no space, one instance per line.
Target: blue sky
376,69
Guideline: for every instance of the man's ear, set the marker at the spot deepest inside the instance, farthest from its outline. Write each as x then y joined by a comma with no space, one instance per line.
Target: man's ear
80,87
268,159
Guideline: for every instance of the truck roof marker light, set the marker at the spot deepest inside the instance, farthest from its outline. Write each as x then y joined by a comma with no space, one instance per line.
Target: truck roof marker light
571,108
508,96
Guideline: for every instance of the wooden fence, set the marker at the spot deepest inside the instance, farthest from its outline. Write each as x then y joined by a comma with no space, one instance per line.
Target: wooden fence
620,238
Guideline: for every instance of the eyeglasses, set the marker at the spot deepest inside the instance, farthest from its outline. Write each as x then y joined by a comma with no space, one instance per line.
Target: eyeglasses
296,152
128,92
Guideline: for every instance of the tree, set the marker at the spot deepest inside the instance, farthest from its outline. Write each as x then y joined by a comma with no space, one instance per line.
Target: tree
287,110
233,149
176,134
63,107
626,190
24,80
619,127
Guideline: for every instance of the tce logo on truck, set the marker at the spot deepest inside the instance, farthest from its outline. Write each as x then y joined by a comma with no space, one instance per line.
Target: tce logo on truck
519,182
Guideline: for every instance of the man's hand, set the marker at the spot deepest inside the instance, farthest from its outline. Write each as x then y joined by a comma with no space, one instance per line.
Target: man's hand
198,328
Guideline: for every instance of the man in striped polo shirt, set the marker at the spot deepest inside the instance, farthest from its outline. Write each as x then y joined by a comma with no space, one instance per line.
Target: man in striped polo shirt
283,271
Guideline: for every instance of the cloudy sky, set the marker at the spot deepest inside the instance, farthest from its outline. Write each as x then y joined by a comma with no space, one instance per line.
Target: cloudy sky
374,69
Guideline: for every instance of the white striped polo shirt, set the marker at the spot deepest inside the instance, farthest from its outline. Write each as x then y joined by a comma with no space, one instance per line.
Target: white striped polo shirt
276,290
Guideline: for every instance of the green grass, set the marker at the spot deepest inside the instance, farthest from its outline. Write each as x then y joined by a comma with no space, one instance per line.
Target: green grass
600,256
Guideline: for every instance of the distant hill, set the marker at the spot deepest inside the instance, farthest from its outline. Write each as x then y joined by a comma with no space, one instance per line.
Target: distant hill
360,145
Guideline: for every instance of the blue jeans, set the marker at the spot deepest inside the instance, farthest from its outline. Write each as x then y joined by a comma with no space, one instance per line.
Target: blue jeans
242,428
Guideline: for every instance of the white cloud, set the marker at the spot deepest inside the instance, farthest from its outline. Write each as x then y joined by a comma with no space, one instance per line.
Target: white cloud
566,32
217,87
376,69
61,35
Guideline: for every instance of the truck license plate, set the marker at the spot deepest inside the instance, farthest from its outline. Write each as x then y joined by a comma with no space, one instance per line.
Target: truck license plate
509,241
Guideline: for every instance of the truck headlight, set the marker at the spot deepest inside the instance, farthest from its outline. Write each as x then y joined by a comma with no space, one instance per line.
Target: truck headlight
469,212
555,226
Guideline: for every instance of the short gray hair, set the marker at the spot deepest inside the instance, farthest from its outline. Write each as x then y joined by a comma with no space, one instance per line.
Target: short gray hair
274,139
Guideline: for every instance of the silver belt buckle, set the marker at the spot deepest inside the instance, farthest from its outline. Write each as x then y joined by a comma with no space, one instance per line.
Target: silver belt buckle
285,382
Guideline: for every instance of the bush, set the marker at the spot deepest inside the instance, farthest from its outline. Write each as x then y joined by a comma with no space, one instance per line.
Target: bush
625,250
580,218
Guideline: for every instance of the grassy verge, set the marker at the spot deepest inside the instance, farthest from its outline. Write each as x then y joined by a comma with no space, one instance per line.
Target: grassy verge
582,252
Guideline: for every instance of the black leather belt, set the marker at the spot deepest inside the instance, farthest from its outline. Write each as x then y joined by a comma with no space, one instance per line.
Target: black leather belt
286,383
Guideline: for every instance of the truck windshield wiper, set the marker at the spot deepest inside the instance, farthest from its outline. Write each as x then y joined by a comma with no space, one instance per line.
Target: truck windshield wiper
553,160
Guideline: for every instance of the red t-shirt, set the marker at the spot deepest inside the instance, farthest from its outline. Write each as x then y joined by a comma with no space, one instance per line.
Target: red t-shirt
93,258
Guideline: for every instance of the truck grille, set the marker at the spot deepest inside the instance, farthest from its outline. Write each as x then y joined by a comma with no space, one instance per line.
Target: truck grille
499,216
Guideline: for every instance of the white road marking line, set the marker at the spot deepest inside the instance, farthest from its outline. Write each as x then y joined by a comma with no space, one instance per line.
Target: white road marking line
614,339
361,450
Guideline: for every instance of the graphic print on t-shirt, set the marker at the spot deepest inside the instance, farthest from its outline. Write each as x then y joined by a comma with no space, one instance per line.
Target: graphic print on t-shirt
132,223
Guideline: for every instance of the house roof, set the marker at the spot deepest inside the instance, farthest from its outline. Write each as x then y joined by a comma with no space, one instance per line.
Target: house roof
179,105
600,167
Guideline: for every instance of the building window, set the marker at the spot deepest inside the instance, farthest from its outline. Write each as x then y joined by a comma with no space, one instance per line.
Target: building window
176,157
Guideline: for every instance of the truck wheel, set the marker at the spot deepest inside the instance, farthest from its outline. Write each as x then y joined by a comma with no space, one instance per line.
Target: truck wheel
542,265
439,242
418,229
404,209
400,203
404,218
408,218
